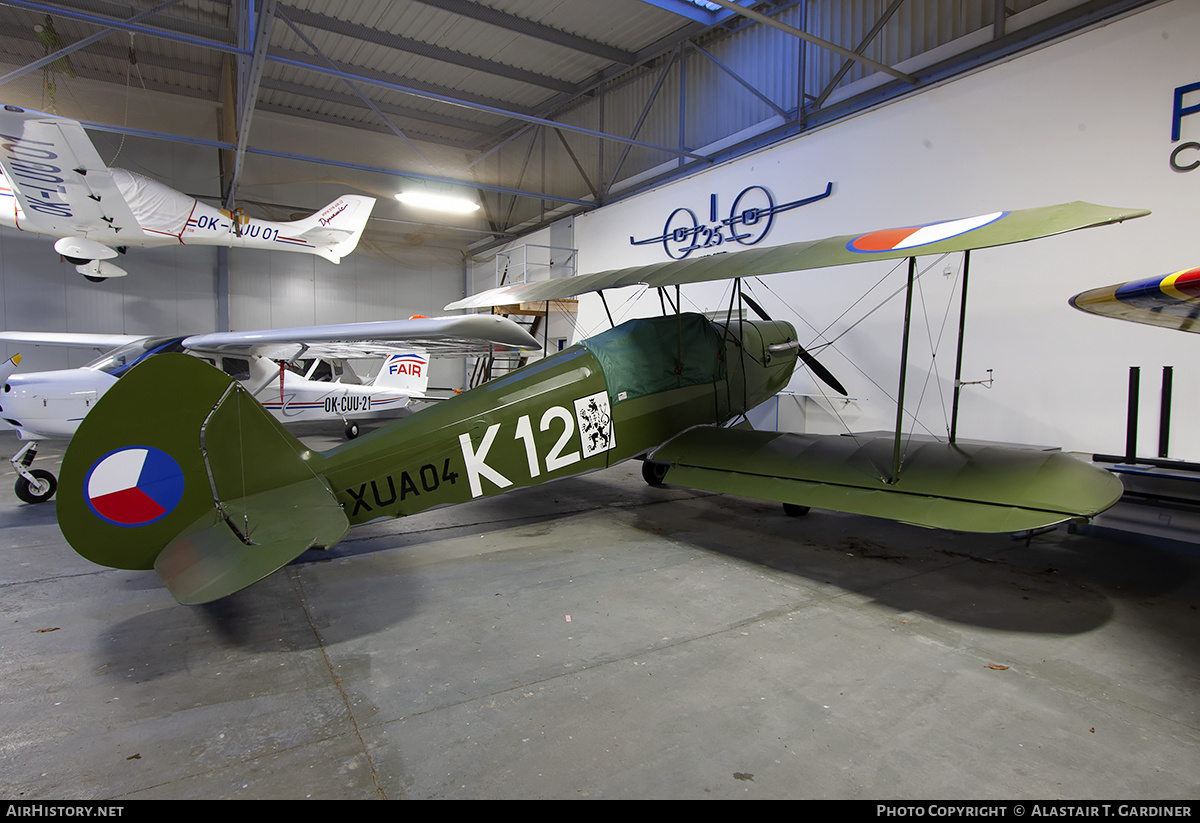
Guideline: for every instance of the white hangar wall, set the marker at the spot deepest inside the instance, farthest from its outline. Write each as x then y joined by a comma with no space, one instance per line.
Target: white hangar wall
1088,118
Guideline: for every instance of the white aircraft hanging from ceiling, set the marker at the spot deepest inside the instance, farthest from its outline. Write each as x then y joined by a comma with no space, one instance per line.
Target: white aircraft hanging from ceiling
300,375
55,184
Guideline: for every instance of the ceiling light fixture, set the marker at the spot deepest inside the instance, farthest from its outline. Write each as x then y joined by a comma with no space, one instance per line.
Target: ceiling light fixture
425,195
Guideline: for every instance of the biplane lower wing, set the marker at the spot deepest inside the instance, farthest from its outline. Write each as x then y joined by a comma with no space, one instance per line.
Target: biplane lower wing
1172,302
962,487
982,231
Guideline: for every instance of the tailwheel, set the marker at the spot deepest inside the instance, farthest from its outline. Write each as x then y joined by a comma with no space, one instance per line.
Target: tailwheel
654,473
38,490
351,429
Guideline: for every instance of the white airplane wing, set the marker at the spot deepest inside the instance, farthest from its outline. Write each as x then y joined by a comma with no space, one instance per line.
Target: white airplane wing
457,335
100,342
59,180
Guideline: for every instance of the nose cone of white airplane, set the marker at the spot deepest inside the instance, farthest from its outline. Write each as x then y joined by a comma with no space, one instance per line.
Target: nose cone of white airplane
50,404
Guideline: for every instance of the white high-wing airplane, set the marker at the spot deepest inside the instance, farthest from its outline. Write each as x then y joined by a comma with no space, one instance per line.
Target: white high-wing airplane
55,184
298,374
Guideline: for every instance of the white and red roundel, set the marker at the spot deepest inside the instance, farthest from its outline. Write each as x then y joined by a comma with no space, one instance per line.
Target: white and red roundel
913,236
133,486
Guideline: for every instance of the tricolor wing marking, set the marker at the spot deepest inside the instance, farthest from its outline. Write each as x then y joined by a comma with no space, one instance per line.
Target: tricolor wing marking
1172,301
916,236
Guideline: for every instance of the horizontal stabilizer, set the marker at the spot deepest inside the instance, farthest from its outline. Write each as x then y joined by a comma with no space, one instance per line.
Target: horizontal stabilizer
962,487
213,561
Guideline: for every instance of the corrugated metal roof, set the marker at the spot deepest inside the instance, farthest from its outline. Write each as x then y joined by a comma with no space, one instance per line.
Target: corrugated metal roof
540,103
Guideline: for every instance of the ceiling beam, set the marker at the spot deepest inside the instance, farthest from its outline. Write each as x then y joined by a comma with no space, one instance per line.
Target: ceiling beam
519,25
254,32
398,42
816,41
79,44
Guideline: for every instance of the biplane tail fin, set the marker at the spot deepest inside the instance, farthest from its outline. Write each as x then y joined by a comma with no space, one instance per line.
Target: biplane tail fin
962,487
334,231
208,490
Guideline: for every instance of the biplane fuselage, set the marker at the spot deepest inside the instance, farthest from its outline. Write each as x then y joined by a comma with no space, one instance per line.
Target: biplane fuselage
214,494
560,416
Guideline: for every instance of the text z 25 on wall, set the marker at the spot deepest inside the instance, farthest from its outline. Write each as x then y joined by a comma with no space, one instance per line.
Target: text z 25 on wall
750,219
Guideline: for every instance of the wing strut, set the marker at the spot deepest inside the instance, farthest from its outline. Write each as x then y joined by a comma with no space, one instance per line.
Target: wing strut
908,295
962,325
603,300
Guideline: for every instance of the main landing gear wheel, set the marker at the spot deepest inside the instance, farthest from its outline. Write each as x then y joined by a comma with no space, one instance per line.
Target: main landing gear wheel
351,430
40,490
654,473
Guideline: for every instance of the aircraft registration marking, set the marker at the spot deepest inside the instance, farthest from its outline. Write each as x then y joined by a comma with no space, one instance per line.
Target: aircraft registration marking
592,416
29,161
347,403
386,494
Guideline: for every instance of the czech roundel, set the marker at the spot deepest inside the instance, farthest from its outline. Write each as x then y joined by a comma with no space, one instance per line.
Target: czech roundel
914,236
134,486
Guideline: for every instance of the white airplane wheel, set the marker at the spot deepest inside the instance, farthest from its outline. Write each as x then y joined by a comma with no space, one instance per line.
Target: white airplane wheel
39,491
351,430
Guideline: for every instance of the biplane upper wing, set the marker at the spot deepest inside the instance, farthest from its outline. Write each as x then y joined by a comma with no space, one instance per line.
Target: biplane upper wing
59,180
1172,301
995,229
457,335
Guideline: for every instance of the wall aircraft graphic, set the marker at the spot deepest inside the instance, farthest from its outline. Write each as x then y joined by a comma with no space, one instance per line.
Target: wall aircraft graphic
213,494
297,374
54,183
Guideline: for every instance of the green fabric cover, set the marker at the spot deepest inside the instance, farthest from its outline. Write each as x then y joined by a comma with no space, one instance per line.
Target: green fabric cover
641,357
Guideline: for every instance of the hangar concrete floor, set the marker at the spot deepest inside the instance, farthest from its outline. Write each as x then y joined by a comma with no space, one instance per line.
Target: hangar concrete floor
598,638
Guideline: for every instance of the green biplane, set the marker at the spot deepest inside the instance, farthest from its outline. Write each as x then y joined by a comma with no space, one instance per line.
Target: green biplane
211,492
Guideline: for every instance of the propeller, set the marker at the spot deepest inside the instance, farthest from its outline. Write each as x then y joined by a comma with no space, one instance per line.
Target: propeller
822,373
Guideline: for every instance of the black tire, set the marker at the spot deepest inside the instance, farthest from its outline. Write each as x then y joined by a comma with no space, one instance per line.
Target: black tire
654,473
29,494
351,430
88,277
792,510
